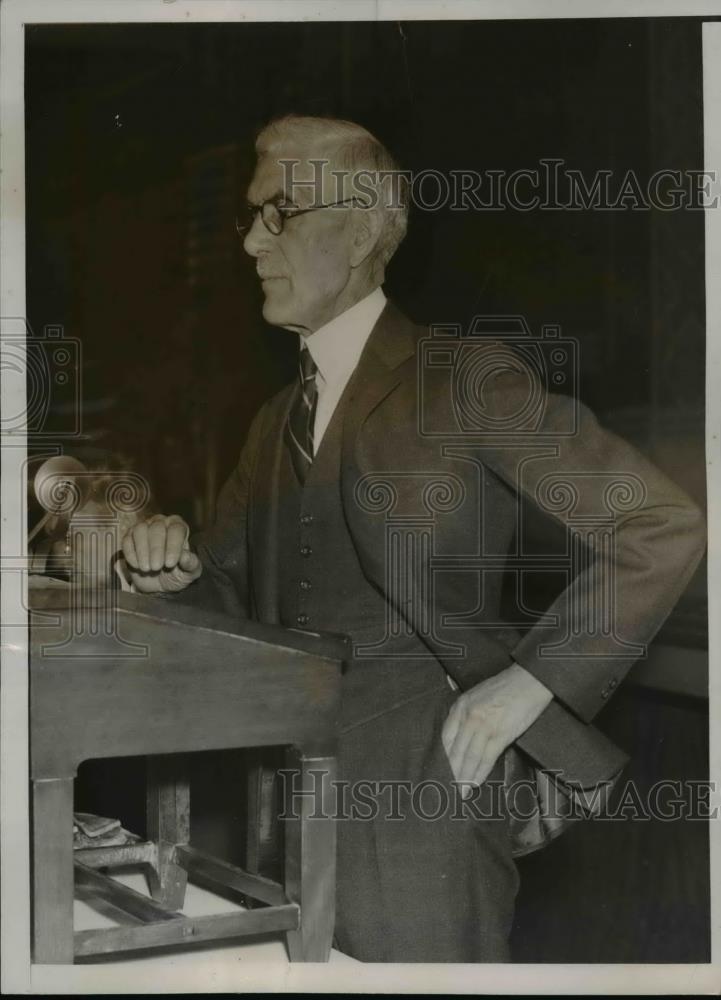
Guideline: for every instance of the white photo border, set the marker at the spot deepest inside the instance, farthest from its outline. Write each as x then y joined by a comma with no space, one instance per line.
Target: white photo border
209,974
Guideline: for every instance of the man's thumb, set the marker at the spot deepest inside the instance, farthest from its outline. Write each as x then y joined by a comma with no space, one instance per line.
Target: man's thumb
188,561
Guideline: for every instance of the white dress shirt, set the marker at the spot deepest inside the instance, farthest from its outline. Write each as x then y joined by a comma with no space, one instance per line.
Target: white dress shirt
336,349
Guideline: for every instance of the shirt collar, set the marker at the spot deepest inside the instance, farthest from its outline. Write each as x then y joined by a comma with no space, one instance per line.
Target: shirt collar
337,346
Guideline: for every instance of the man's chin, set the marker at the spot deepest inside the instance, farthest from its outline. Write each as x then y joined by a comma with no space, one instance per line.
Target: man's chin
275,312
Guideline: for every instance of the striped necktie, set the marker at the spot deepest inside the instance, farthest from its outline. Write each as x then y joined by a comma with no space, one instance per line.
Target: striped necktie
301,418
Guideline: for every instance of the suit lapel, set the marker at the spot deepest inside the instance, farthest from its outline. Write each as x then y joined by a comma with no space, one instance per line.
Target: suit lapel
392,341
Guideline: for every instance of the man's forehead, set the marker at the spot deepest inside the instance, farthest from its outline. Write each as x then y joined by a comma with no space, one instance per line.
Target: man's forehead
277,173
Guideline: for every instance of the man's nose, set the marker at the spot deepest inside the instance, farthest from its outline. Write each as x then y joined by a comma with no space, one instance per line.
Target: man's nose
257,239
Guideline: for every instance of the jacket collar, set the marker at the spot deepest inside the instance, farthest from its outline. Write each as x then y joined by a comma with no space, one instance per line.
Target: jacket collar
380,371
392,340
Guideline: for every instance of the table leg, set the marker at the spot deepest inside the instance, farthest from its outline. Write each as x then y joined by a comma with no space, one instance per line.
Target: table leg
262,854
310,853
53,874
168,824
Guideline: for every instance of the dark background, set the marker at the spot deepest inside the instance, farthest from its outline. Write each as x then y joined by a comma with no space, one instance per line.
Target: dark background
139,149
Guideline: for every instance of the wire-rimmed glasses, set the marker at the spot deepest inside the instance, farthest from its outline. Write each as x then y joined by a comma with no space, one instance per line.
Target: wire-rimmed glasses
274,215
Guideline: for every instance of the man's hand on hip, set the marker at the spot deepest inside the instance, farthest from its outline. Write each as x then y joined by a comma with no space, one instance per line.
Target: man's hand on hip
487,718
159,557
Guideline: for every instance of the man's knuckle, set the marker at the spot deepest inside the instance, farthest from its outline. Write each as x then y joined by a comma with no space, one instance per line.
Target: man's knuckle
479,713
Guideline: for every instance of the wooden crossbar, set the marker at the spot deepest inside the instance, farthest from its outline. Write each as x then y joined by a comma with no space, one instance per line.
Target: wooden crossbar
133,903
187,930
221,873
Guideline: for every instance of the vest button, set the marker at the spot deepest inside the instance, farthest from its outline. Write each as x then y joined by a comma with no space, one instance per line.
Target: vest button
306,550
305,584
302,619
306,519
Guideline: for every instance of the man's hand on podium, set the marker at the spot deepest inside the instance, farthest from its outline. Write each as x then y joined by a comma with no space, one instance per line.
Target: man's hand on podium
158,555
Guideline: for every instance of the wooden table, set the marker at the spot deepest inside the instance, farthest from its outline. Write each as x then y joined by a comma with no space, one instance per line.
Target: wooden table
130,675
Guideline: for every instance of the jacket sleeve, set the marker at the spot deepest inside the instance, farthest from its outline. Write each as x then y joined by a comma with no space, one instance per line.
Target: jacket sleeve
223,547
597,487
634,536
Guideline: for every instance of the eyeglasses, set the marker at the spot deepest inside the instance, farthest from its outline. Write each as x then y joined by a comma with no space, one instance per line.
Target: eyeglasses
274,215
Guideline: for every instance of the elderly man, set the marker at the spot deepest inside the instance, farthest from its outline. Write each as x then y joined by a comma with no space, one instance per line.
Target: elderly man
301,539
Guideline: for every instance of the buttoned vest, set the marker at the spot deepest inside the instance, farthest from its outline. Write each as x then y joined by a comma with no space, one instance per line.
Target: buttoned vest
322,587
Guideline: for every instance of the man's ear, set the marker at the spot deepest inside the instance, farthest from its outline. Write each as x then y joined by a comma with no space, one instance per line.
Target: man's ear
366,227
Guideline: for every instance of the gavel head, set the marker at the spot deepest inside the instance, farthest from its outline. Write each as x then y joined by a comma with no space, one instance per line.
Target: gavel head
62,486
93,509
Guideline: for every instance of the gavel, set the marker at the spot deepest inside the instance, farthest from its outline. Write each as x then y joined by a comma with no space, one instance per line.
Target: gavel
61,486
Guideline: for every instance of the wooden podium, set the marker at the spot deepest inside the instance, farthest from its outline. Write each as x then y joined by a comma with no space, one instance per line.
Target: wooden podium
125,675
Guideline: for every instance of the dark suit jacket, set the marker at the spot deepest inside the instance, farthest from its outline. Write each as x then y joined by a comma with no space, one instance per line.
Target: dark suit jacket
657,532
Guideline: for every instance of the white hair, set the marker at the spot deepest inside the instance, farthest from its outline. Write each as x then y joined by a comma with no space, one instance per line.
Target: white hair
353,148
